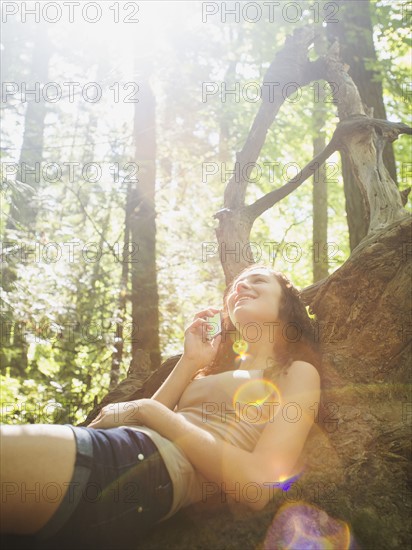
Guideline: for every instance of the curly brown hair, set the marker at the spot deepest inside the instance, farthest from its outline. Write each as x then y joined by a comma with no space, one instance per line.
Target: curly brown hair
292,311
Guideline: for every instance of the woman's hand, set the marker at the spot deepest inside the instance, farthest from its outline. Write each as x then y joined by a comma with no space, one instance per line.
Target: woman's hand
197,348
128,413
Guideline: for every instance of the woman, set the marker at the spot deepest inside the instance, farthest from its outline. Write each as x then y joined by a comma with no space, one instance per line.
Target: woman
232,417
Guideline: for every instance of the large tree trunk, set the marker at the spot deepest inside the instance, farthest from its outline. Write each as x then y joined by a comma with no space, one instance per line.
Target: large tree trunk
145,301
357,468
355,34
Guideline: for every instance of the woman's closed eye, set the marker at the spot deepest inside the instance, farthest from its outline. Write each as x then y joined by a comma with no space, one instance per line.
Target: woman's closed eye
259,279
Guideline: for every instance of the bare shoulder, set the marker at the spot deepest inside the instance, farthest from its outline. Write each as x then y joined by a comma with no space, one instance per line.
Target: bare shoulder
303,367
301,374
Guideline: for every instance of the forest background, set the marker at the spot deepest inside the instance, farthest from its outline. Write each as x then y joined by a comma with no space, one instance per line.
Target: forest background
114,166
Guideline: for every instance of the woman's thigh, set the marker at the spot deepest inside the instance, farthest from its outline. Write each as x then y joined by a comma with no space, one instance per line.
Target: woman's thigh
37,462
128,490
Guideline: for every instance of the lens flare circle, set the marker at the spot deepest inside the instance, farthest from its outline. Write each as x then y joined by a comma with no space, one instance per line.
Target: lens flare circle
257,401
307,527
240,347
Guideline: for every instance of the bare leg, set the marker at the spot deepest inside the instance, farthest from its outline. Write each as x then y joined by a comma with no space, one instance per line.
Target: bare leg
37,463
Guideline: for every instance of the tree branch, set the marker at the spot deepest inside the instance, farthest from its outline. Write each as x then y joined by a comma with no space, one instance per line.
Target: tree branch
290,68
352,125
254,210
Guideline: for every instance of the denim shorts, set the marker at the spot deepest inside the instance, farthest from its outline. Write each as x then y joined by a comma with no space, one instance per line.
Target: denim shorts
120,488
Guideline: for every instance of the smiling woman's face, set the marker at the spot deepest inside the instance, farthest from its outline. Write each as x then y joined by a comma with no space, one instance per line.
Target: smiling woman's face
255,297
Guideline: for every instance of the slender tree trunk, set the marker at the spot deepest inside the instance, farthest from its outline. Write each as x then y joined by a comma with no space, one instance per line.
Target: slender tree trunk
320,191
225,123
142,254
120,314
21,222
24,208
86,302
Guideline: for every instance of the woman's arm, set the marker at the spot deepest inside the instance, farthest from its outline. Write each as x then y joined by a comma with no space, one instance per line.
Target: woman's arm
172,388
198,352
230,469
249,477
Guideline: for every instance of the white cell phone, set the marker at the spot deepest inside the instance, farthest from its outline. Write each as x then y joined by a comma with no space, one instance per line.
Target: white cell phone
216,323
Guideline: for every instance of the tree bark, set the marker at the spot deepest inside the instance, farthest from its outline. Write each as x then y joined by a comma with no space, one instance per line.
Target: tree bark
355,34
320,265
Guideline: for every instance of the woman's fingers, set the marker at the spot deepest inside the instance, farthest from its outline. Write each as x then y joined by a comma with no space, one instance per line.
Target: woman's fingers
96,420
202,327
206,312
117,414
197,322
196,326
